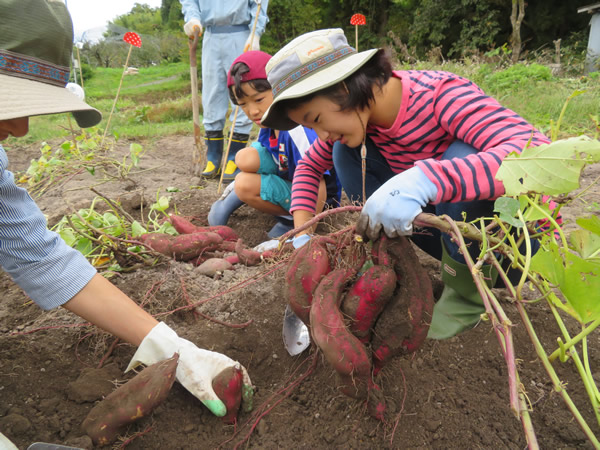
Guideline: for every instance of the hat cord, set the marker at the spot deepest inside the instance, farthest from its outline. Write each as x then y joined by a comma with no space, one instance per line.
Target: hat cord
363,151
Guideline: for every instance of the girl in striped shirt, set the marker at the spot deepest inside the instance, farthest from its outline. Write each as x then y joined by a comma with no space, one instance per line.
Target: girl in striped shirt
434,142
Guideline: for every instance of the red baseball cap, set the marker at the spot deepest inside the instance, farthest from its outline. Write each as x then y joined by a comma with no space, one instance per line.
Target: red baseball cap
256,62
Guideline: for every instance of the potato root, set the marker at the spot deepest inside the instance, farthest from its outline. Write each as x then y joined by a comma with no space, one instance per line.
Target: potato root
131,401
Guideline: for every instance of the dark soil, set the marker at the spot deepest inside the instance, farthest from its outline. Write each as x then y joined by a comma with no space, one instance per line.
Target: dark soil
449,394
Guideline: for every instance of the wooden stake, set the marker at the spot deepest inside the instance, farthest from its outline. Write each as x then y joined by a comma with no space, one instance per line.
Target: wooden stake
117,96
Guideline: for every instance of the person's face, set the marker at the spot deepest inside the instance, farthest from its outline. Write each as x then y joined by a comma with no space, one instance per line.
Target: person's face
330,123
14,127
254,103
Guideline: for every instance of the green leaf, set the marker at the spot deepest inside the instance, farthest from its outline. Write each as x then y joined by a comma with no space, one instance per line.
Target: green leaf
581,287
84,245
166,227
549,264
551,169
68,236
172,189
507,209
590,223
585,243
134,152
161,205
137,229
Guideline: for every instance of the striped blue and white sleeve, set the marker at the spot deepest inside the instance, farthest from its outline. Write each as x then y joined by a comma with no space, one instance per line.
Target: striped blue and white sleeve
37,259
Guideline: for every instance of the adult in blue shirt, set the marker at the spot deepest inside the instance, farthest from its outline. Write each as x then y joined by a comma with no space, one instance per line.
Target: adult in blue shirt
227,27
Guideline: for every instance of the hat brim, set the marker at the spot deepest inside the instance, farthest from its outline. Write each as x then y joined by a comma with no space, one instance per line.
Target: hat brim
321,79
20,97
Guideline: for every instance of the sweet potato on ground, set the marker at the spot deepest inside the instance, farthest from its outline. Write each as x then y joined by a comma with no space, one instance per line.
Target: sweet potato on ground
307,266
184,226
343,350
183,247
131,401
228,387
213,266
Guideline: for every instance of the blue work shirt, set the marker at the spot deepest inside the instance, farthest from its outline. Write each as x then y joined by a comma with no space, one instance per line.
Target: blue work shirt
38,260
212,13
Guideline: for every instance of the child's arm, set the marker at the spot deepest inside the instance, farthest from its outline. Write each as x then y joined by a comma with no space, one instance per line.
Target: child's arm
310,170
464,111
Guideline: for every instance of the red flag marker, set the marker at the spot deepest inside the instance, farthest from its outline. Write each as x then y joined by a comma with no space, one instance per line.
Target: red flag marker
133,39
356,20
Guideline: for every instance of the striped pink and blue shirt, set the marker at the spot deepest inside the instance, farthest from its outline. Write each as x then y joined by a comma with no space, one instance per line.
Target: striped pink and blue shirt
437,109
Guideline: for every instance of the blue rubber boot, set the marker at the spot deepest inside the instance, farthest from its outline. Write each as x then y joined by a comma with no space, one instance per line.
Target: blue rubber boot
238,142
460,306
283,225
224,207
214,153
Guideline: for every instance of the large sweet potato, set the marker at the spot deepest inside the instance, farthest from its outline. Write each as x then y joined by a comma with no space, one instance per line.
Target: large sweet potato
307,266
189,246
184,247
131,401
367,297
346,354
184,226
403,324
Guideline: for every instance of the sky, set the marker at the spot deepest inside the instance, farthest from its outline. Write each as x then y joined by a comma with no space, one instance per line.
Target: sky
87,14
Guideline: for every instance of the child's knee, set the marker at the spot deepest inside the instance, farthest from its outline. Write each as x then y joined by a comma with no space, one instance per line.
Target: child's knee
247,185
247,160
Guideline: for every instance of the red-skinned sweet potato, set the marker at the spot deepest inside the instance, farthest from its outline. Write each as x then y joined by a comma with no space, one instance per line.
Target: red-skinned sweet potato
159,242
247,256
306,268
343,350
367,297
228,387
131,401
189,246
183,247
403,325
184,226
213,266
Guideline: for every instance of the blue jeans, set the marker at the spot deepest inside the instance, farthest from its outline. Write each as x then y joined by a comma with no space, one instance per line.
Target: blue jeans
347,164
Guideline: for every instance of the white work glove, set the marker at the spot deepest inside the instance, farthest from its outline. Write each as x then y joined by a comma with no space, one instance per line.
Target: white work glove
196,367
267,245
252,43
188,28
394,206
297,242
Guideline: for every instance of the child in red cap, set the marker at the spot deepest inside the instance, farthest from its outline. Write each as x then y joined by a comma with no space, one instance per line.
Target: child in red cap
266,167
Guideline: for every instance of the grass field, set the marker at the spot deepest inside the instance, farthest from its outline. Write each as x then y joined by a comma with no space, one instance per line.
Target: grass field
157,101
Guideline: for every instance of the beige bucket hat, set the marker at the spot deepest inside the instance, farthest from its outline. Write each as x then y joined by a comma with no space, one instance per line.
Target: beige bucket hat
309,63
36,41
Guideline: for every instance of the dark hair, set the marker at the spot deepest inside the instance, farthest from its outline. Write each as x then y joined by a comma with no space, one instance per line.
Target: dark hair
356,90
235,90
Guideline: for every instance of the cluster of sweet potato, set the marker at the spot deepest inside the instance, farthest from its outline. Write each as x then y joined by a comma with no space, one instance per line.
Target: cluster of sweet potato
363,303
212,248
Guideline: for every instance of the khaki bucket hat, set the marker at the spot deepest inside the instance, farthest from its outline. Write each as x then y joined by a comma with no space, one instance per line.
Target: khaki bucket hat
36,41
309,63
